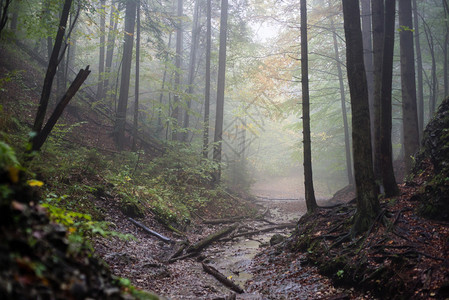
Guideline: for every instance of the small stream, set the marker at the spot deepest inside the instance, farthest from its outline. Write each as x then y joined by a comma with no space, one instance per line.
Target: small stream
234,258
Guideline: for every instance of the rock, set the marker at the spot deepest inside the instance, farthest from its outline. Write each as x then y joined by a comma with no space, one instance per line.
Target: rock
276,239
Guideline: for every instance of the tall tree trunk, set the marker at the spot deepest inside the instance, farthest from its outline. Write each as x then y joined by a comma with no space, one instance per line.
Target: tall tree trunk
386,153
445,50
51,69
377,9
136,92
368,58
110,48
218,135
207,88
100,86
343,107
419,70
161,94
178,63
308,175
409,112
120,123
368,205
191,76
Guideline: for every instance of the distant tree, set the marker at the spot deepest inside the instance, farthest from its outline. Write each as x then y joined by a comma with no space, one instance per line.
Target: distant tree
120,122
191,75
386,153
409,110
178,64
368,206
136,91
308,175
101,58
207,88
218,134
113,22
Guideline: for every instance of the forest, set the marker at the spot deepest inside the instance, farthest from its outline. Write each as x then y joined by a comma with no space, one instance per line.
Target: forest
216,149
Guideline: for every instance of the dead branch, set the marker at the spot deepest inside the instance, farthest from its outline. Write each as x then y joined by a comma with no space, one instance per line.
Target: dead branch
152,232
197,247
255,232
223,279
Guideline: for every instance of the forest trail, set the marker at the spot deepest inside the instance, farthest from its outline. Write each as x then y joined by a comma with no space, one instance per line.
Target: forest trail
144,260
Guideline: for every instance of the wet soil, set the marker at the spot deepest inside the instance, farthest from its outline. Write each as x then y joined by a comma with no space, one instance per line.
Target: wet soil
249,261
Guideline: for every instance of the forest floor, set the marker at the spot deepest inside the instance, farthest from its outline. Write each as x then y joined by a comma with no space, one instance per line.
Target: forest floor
261,270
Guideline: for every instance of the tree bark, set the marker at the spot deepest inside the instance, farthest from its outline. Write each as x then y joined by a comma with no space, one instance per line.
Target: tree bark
368,205
207,88
218,135
377,9
368,58
419,70
120,123
308,174
408,85
343,108
387,171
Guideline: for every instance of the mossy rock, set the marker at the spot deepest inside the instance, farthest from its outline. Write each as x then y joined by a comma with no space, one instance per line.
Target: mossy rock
132,210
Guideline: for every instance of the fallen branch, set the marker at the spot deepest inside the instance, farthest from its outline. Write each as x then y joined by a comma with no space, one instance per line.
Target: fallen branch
255,232
224,221
278,199
180,248
223,279
152,232
197,247
172,260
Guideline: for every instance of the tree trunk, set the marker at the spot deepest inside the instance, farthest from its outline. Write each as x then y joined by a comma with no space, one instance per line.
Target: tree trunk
207,88
193,50
388,178
308,175
120,123
161,95
368,58
102,52
419,70
408,85
74,87
368,205
110,49
136,92
51,70
377,9
176,100
343,107
218,136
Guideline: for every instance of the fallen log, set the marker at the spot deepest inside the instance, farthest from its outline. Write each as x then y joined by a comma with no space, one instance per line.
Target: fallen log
198,246
223,279
149,231
180,248
255,232
224,221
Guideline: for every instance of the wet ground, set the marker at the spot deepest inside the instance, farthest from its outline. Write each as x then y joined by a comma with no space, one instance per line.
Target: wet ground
144,260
